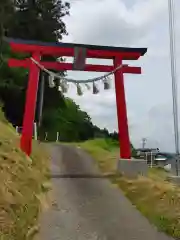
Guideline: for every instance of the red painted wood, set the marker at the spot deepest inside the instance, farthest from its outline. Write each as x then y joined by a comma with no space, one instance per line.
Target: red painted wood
69,66
124,142
131,70
31,95
69,52
25,63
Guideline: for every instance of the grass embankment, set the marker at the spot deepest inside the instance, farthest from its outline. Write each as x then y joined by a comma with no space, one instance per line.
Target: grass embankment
155,197
21,185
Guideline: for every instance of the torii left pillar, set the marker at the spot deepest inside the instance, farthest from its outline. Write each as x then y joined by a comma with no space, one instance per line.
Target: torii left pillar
30,106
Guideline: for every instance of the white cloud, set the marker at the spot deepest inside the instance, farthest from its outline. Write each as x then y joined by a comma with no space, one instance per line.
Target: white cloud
111,22
131,23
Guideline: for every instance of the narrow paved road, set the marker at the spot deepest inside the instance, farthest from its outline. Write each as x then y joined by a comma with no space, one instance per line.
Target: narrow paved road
87,207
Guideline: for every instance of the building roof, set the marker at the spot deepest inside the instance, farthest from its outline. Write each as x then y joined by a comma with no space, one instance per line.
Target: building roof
147,149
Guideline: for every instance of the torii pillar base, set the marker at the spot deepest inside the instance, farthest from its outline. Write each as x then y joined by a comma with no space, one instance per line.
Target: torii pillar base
133,168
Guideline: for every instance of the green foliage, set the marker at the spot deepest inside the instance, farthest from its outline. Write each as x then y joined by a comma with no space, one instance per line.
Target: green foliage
6,11
106,144
39,20
134,152
71,122
36,20
2,117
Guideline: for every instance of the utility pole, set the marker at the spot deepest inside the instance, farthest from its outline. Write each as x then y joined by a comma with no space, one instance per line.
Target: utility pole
144,140
41,98
174,78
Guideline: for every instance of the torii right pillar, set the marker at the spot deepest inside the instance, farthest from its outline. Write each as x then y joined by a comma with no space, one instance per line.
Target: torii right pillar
124,142
126,165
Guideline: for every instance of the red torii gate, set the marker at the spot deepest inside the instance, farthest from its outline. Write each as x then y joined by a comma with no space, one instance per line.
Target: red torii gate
38,49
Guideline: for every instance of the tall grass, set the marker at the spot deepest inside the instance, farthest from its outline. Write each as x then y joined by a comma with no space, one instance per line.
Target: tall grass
104,151
21,185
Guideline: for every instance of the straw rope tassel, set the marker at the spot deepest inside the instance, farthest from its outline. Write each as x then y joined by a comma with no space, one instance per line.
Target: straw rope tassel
95,89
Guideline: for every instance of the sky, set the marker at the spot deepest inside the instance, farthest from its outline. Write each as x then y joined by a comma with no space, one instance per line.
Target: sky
130,23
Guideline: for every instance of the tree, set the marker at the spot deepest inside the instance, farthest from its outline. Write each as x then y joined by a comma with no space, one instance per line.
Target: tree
72,123
31,19
6,12
39,20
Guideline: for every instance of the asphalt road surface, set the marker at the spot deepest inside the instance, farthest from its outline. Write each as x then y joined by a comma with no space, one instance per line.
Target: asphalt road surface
88,207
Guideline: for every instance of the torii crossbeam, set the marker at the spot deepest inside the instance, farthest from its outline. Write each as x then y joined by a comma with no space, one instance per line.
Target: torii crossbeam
80,52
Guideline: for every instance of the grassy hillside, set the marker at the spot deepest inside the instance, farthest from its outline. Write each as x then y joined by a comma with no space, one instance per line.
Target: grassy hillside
154,196
21,185
105,152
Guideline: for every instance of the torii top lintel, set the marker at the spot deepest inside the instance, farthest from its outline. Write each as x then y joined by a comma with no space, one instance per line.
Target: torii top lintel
67,49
